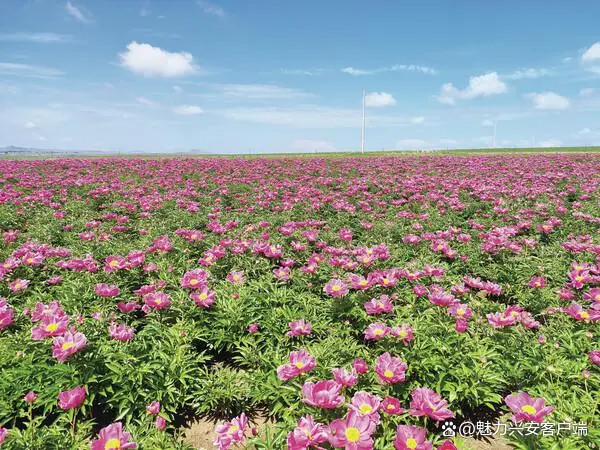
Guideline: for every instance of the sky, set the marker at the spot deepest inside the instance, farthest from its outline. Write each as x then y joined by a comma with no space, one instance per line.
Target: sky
239,76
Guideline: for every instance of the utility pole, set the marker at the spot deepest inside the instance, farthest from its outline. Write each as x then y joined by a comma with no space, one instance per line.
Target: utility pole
362,134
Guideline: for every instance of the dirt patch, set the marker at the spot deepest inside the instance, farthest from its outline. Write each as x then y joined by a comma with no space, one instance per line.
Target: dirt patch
494,443
201,433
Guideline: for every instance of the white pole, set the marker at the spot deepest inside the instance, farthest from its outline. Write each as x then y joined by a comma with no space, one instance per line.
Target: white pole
362,134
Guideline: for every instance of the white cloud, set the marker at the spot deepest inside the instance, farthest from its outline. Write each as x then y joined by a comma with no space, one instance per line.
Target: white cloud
300,72
449,142
379,100
310,145
144,12
548,100
211,8
418,120
487,123
567,59
395,68
587,92
177,89
38,38
78,13
108,85
29,71
411,144
528,73
187,110
479,86
29,125
146,102
550,143
149,61
592,53
259,92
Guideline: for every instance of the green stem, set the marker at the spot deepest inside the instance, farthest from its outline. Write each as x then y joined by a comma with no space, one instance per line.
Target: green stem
73,422
31,431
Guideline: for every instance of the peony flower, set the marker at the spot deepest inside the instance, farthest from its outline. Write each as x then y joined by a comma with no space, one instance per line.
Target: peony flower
360,366
323,394
344,377
157,300
366,404
160,423
105,290
391,405
31,397
405,332
231,433
390,369
68,344
336,288
527,408
410,437
594,357
352,433
204,298
426,402
306,434
121,332
71,399
299,328
376,331
113,437
300,362
153,408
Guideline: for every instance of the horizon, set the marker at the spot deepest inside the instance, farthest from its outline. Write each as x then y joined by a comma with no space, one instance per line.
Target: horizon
225,78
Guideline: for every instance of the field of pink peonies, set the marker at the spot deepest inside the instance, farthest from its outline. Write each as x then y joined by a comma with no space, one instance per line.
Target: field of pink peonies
355,303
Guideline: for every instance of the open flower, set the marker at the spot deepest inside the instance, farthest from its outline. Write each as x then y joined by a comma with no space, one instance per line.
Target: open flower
390,369
71,399
306,434
426,402
300,362
527,408
68,344
352,433
410,437
323,394
113,437
336,288
299,328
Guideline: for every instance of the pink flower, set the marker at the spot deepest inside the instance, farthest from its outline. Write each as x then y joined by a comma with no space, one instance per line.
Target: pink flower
306,434
447,445
426,402
595,357
391,405
300,362
128,307
282,273
153,408
360,366
71,399
323,394
352,433
461,325
231,433
253,328
460,311
381,305
50,326
526,408
336,288
376,331
3,434
68,344
366,404
537,282
405,332
121,332
410,437
31,397
344,377
576,311
236,277
113,437
160,423
438,297
390,369
205,298
7,314
105,290
195,279
299,328
114,263
18,286
157,300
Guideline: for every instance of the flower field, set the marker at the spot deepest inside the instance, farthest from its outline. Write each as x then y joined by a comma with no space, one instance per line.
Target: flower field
357,303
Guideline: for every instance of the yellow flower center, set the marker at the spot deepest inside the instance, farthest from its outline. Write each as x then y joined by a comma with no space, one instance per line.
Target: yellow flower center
364,283
52,327
232,429
411,443
365,408
514,313
460,312
402,334
299,364
390,406
335,288
528,409
113,263
579,278
29,260
158,301
112,444
378,332
193,282
352,434
388,374
236,278
578,267
203,296
439,247
18,285
67,345
585,315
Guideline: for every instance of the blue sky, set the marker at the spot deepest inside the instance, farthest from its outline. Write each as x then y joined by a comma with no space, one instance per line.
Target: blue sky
265,75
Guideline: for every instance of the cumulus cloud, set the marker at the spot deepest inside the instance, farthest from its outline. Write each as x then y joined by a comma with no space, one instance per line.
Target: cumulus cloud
149,61
78,13
187,110
592,53
379,100
479,86
549,100
395,68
